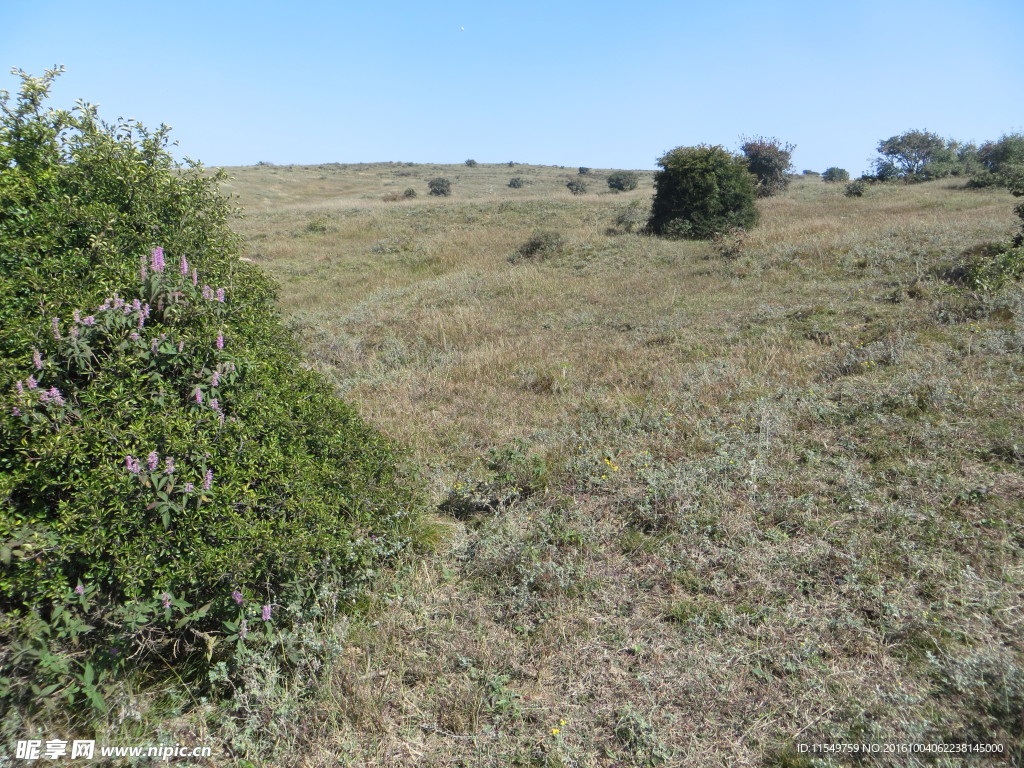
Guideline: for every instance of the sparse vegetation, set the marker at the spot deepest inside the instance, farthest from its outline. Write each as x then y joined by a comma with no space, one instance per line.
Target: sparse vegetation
516,182
700,191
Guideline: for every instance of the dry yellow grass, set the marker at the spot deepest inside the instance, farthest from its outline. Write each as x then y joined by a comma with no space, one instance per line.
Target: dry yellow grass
761,500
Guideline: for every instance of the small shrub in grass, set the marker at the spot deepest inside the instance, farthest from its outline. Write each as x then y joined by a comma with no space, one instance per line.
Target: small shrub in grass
855,188
439,186
700,191
834,175
516,183
633,216
623,181
542,244
471,163
409,193
172,475
584,171
577,186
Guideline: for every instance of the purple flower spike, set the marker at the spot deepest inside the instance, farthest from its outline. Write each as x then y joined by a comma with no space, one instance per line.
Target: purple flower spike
56,328
31,382
266,613
134,336
19,387
220,295
152,461
56,396
181,346
79,590
208,480
37,359
77,316
237,597
195,278
167,600
215,381
156,260
189,487
199,396
74,331
137,305
184,266
132,464
169,466
15,411
220,340
243,630
90,320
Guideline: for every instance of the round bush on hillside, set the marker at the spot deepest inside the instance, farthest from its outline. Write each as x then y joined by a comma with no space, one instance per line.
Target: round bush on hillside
440,186
701,191
623,181
168,464
577,186
834,175
515,183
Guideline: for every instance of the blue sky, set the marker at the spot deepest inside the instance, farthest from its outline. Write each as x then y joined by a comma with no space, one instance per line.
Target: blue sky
559,82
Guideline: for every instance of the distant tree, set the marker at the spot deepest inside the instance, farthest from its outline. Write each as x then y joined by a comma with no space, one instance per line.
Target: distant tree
577,187
440,186
768,159
623,181
811,173
834,174
584,170
701,191
1003,158
908,155
471,163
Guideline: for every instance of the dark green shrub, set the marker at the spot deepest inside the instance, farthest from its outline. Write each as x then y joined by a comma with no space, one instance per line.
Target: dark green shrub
577,187
855,188
999,162
834,175
171,475
811,173
623,181
584,171
516,183
471,163
768,159
700,191
409,193
440,186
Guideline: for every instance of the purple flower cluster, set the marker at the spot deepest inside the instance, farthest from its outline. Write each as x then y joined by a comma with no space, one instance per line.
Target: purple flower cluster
52,395
156,259
132,464
237,597
167,600
266,612
208,480
220,340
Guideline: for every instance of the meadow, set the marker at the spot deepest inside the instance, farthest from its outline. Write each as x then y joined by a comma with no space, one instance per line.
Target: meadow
704,502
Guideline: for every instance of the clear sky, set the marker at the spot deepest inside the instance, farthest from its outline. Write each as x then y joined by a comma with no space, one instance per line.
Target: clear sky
556,82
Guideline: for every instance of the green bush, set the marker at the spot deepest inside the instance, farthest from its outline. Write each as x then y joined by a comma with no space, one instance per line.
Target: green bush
834,175
471,163
577,186
409,193
700,191
440,186
811,173
516,183
768,159
623,181
855,188
633,216
584,171
172,477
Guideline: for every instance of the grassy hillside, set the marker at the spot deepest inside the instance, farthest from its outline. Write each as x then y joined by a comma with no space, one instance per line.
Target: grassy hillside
707,501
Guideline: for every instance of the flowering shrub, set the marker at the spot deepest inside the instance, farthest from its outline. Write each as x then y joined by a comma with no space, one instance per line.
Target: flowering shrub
170,473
